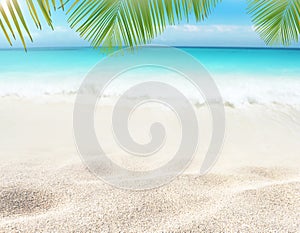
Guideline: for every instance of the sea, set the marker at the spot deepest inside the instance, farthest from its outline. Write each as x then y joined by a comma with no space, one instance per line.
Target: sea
244,76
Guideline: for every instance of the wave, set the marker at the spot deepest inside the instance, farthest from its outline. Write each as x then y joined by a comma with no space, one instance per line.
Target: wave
236,91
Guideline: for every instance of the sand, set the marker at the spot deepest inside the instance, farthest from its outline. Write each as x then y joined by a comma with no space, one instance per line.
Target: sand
254,186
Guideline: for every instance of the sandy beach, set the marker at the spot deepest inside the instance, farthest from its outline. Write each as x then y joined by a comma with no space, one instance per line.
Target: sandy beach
254,186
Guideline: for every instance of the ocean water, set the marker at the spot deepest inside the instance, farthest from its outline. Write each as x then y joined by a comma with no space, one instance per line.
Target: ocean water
244,76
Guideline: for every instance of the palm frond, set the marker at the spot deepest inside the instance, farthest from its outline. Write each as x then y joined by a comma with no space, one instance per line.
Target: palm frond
11,17
116,23
276,21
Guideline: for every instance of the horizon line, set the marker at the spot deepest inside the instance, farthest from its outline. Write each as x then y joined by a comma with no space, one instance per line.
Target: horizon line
175,46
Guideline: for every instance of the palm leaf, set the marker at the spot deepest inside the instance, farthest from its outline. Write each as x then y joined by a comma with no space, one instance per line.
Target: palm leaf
276,21
12,17
111,23
116,23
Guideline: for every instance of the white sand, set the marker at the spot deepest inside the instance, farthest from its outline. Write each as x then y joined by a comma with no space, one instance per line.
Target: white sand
254,186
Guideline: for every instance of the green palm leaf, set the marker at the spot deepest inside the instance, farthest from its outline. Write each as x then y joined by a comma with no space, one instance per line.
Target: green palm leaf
116,23
12,17
107,22
132,22
276,21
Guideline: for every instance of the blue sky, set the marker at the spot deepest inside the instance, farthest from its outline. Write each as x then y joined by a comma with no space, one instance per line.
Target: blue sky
228,25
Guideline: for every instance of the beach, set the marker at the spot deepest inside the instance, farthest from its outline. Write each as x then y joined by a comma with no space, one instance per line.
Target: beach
254,186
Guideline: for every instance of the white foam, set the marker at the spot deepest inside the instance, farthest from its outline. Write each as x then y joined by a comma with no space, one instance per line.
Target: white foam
237,91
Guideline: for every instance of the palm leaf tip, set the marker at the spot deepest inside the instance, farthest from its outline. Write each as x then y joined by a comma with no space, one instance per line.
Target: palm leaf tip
276,21
12,19
117,23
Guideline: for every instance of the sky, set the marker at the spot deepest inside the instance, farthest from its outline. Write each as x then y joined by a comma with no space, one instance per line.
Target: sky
228,25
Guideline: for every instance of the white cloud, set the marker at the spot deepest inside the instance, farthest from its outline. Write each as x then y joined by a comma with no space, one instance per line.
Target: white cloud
210,35
61,29
210,28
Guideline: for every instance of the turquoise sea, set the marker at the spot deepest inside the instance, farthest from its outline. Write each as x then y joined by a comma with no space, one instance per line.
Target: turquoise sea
243,75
